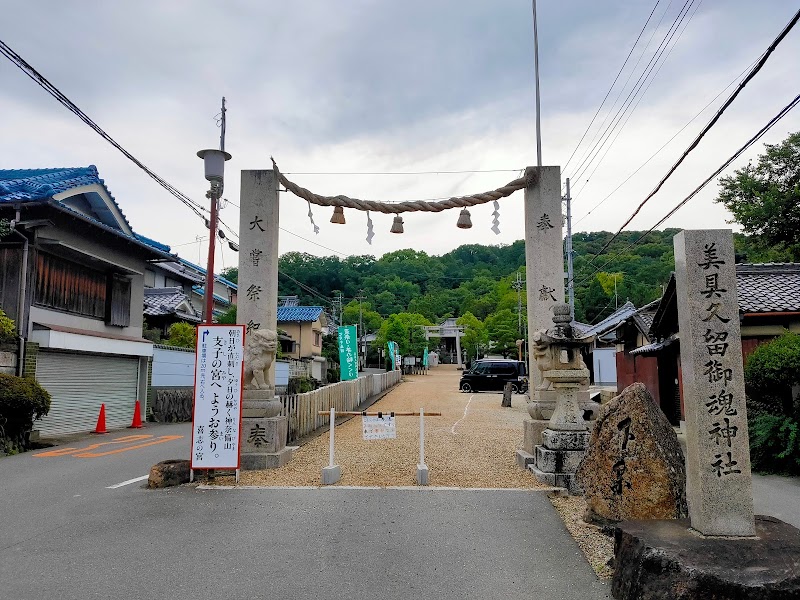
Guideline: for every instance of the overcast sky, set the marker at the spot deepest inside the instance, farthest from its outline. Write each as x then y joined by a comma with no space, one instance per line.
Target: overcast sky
380,86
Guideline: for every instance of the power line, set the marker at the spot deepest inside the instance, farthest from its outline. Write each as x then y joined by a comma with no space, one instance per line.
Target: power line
641,94
708,127
592,143
637,89
612,85
782,113
652,156
51,89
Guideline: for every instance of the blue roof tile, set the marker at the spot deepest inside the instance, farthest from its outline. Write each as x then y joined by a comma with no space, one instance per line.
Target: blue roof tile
288,314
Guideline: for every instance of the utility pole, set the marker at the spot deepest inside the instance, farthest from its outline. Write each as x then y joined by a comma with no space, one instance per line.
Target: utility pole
214,195
538,105
570,274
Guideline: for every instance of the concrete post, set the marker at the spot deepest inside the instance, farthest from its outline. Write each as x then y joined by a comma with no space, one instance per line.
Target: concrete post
544,256
458,348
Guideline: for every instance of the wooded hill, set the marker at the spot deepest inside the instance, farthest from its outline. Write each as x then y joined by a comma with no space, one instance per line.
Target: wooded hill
478,279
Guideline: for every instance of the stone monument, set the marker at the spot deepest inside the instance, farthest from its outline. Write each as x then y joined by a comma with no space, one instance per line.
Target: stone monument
722,550
263,429
564,441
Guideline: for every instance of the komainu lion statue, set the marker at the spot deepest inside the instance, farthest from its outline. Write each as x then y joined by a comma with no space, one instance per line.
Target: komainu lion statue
259,352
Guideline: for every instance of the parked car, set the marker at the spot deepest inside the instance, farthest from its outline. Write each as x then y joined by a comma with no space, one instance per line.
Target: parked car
491,375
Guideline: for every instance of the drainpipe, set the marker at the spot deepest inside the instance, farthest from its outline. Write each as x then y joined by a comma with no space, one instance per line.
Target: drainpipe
23,281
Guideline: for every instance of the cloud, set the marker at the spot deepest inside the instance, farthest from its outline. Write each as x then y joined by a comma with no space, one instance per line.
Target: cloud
370,86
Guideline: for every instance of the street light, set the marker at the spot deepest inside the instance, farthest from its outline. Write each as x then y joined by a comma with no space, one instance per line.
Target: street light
214,161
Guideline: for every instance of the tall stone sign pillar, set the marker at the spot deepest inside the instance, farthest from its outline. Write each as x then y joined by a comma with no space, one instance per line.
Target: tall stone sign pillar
544,263
263,430
718,480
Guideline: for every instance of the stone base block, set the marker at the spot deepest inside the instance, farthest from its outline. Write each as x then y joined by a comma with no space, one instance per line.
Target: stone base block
563,480
524,459
264,435
331,475
665,559
422,474
533,429
266,460
565,440
557,461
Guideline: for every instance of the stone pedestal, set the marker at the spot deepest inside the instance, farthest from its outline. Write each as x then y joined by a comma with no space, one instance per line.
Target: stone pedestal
666,559
533,429
566,438
331,475
264,443
260,403
542,405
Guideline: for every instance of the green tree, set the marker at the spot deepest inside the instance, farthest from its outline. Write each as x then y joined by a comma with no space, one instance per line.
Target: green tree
231,274
228,317
475,336
372,320
182,335
501,328
765,198
771,372
407,330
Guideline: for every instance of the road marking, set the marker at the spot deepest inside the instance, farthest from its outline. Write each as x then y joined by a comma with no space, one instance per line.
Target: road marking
130,481
86,452
160,440
466,408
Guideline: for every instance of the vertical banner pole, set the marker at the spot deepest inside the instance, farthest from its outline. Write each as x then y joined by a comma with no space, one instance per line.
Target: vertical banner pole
333,426
421,437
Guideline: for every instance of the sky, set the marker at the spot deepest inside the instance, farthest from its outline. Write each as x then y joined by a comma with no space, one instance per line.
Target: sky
370,86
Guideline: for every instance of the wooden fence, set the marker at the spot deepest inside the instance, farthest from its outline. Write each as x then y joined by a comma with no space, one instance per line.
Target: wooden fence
303,409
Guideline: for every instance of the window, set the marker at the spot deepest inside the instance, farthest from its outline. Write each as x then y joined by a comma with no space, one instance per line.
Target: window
67,286
74,288
317,338
149,278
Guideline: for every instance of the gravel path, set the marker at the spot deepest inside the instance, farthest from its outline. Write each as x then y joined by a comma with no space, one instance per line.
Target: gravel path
472,445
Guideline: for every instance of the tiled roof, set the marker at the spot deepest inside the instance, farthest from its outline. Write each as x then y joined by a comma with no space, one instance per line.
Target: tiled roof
202,271
165,301
768,287
32,185
610,323
200,290
287,314
40,185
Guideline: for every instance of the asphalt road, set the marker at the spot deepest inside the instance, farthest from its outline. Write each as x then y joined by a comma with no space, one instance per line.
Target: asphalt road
66,534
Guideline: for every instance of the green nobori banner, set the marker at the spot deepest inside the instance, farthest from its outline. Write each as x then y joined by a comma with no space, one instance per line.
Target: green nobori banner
348,353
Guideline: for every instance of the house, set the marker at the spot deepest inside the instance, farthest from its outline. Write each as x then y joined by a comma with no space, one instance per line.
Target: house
168,296
72,276
769,303
305,325
602,360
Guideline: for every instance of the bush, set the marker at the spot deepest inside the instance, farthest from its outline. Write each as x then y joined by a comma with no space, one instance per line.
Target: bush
300,385
771,371
22,400
182,335
8,329
775,444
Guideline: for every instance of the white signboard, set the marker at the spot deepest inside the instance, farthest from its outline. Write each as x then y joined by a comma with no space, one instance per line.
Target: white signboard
379,428
216,424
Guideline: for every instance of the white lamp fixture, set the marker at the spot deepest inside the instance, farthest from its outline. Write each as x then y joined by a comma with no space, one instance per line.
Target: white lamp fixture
215,163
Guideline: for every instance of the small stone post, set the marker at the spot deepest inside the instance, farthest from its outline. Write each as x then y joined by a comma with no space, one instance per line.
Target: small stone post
718,479
544,263
263,431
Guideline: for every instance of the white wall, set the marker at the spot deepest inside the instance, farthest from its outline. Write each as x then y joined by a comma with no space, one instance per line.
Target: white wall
173,368
605,366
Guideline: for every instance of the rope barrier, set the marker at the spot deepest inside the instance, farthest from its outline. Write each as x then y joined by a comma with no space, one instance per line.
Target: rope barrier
409,206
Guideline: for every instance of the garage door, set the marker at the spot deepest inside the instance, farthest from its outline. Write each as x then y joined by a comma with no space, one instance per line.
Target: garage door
79,383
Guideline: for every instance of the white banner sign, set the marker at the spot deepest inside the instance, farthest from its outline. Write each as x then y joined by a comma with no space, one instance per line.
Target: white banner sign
216,423
379,428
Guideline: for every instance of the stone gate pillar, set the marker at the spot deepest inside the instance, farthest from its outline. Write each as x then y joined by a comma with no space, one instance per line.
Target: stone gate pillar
544,257
263,430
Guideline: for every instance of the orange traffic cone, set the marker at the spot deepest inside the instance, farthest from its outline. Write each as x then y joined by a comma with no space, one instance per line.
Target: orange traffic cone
137,417
101,420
